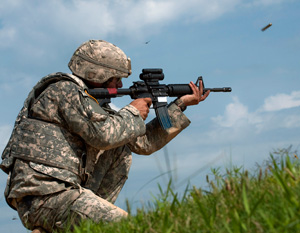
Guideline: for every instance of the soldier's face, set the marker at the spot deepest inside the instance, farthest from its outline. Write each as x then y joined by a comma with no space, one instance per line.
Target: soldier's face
115,83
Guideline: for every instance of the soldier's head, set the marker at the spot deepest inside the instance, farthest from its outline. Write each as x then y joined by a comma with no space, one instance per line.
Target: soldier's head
99,62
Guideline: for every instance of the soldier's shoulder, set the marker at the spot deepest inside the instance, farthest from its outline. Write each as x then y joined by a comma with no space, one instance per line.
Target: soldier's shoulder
66,86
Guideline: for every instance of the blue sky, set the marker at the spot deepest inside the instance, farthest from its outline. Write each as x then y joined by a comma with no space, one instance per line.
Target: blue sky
218,39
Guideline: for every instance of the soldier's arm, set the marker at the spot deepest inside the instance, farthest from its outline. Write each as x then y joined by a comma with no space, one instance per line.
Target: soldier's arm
155,137
66,104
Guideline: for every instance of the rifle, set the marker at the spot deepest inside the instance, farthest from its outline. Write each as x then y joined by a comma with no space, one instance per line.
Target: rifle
150,87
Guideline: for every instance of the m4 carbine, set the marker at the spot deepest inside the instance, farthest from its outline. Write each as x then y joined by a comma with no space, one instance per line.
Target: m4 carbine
150,87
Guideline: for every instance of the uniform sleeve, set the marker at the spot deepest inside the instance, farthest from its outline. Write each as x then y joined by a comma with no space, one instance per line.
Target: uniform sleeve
155,137
66,104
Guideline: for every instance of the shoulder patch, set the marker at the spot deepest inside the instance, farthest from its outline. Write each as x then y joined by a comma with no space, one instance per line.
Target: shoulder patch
93,103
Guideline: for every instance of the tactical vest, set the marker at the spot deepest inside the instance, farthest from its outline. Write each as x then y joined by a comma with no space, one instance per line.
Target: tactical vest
43,142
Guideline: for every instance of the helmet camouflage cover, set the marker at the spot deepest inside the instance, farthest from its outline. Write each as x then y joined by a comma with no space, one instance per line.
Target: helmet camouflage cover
98,61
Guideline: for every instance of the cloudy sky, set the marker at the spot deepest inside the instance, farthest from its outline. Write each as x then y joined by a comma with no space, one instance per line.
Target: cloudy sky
218,39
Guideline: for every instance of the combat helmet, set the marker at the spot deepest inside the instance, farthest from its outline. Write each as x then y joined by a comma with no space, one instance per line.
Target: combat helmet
98,61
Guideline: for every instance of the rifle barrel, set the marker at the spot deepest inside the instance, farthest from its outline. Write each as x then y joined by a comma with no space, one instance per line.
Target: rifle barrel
175,90
221,89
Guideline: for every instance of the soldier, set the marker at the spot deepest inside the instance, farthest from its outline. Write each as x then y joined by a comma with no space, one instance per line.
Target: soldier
68,158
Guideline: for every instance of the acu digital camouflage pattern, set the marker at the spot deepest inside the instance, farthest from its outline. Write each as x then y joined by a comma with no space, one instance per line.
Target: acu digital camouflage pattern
67,155
98,61
67,201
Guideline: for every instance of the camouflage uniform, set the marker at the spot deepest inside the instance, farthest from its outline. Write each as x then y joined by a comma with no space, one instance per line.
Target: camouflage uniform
68,158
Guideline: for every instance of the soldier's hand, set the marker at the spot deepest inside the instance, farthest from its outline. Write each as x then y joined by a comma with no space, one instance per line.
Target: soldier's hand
196,97
143,106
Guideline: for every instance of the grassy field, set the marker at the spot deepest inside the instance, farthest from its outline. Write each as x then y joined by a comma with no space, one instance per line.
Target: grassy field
237,201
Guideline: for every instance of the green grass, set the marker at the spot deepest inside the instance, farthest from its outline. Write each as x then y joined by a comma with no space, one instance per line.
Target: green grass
237,201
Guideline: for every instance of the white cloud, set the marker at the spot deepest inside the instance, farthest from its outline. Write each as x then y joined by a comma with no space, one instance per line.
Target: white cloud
126,17
114,107
238,123
234,113
282,101
80,18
